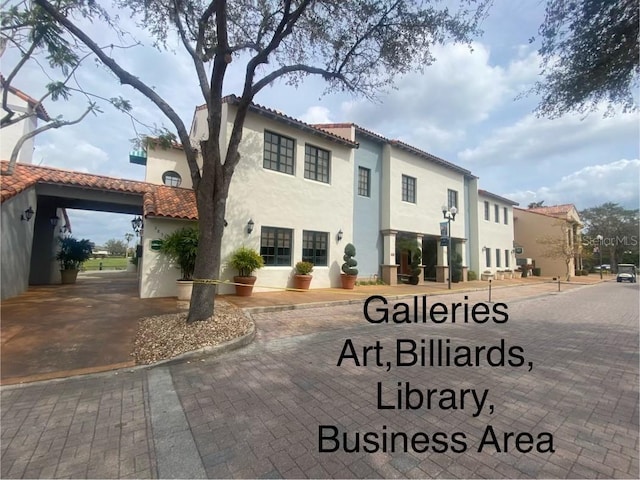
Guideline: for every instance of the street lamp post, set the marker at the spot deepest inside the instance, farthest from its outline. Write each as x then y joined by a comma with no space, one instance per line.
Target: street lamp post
599,238
450,215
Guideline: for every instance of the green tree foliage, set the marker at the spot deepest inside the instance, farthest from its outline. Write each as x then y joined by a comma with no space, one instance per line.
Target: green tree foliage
115,247
354,45
619,228
535,204
590,53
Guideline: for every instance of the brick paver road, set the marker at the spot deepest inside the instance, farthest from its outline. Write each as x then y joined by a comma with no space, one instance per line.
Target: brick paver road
257,412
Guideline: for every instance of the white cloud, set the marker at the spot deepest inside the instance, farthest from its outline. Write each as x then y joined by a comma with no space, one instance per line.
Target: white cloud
535,140
460,89
317,114
618,182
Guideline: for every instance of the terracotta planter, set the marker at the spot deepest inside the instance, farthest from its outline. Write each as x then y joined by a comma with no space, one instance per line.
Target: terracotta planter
246,289
348,281
302,282
68,276
185,287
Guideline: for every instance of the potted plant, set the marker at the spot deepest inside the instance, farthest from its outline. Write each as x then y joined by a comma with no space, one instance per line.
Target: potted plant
508,273
302,277
486,275
517,273
416,261
181,246
499,274
350,273
71,255
246,261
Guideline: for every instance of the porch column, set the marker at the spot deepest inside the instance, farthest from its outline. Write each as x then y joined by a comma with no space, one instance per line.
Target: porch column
442,267
462,250
389,265
419,241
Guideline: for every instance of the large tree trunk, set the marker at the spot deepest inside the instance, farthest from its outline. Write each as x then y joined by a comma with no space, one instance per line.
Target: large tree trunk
211,197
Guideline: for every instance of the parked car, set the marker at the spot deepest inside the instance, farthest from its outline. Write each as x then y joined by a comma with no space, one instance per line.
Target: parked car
626,273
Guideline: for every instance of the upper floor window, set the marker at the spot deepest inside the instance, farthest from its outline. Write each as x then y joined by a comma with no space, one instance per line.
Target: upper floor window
452,198
505,213
364,182
171,178
408,189
316,164
314,247
486,210
496,212
278,153
275,245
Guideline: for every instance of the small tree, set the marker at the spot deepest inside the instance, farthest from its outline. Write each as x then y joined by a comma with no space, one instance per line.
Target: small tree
115,247
350,263
559,246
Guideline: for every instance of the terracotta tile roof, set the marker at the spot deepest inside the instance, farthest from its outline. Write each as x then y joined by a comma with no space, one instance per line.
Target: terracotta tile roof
399,144
497,197
158,200
281,117
171,202
32,102
554,210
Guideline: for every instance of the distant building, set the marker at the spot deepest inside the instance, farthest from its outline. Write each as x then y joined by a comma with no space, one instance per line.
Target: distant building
548,236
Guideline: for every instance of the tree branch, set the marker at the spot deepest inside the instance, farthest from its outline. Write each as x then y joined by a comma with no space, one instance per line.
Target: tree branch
127,78
326,74
7,82
37,131
197,60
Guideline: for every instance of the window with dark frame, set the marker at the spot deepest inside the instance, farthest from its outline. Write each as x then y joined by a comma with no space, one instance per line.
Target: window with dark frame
452,198
486,210
171,178
496,212
278,153
498,259
364,182
316,163
315,247
487,257
505,213
408,189
275,245
506,258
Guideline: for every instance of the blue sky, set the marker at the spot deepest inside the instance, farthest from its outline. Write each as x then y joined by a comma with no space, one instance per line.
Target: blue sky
466,108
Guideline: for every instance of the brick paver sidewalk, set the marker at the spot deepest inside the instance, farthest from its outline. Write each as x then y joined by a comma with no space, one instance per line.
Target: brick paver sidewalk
256,412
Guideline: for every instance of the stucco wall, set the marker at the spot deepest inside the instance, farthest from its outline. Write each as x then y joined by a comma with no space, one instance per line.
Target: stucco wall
275,199
366,210
12,133
157,274
161,160
494,235
17,238
267,197
432,183
530,228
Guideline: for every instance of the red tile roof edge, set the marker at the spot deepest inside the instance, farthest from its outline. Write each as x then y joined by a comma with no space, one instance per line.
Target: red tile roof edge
41,112
158,200
261,109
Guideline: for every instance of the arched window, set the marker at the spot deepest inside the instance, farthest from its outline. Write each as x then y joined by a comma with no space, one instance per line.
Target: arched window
171,178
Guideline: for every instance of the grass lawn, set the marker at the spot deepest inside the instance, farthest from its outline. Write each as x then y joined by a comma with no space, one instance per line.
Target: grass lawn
109,263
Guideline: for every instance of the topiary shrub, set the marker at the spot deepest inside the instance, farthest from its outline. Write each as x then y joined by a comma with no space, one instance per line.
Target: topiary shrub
304,268
456,273
348,267
471,275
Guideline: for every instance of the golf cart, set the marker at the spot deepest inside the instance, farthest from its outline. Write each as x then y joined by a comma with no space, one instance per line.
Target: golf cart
626,273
